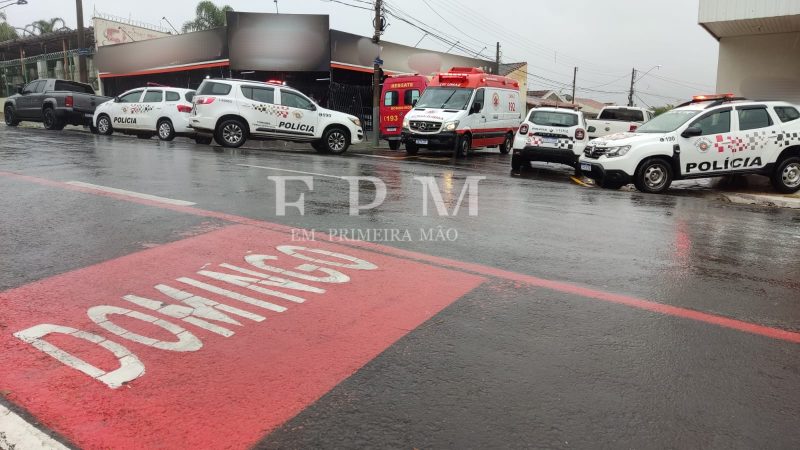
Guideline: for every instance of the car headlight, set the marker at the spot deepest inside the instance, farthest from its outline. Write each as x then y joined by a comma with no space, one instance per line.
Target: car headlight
450,126
356,121
406,124
614,152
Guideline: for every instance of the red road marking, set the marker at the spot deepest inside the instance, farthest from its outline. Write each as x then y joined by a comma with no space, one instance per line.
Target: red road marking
633,302
232,390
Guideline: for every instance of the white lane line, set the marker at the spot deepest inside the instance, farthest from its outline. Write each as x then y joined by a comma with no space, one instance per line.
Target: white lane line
292,171
16,433
112,190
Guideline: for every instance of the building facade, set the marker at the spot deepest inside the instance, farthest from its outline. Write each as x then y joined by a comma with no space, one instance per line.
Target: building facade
759,46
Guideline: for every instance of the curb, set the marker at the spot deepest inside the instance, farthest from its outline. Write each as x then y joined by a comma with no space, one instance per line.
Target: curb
764,200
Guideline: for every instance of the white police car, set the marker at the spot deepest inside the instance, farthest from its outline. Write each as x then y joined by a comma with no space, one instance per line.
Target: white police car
556,135
233,111
161,111
710,136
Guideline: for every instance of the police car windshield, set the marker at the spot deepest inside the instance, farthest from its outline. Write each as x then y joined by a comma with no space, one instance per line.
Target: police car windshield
668,122
445,98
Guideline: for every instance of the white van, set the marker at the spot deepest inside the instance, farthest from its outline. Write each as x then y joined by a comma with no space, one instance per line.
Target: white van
464,109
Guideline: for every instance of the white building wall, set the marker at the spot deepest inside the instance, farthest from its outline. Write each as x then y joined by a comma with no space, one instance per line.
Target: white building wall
724,10
764,67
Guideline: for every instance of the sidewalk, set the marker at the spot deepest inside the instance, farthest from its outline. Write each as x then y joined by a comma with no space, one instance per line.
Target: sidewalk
757,190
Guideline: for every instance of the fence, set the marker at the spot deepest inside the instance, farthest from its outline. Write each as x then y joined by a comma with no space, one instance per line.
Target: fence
352,99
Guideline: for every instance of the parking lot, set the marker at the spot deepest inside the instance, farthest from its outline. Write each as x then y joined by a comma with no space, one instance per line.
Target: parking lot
559,315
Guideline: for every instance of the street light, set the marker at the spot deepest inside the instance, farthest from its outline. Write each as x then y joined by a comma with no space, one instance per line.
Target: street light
13,2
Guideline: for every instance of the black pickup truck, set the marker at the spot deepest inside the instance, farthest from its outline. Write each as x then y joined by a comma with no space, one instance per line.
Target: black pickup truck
55,103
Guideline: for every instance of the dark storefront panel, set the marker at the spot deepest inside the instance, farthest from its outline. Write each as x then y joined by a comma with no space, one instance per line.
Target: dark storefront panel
279,42
189,48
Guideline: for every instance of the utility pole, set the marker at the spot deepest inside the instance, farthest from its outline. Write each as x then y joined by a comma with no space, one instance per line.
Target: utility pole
497,59
574,82
81,43
376,76
630,94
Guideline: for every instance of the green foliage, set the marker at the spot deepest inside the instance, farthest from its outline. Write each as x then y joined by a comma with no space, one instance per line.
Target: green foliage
7,32
207,16
662,109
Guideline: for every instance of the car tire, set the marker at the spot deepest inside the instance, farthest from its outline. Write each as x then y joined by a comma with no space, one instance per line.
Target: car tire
507,144
203,140
654,176
51,121
786,178
166,132
517,163
412,148
10,116
394,145
463,146
104,126
335,140
231,133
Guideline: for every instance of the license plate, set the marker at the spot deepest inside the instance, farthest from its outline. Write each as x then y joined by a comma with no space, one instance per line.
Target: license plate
549,140
391,129
422,142
586,167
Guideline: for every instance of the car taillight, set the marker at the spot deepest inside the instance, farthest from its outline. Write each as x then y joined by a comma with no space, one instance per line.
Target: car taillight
205,100
523,129
633,128
69,101
580,134
184,109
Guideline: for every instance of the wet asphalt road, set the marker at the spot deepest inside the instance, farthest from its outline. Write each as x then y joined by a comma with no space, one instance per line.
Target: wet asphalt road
508,365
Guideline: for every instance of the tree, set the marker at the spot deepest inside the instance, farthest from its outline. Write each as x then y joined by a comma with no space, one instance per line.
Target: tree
45,26
207,16
7,32
662,109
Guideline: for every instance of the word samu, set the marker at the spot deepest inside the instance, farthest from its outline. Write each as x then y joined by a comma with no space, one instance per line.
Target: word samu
317,266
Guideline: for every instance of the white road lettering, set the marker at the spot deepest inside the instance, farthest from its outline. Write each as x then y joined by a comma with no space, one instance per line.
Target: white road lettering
249,283
355,263
333,276
130,367
232,295
187,342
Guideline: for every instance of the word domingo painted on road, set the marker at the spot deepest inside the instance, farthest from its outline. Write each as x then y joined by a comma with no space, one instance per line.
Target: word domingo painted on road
201,312
210,341
431,193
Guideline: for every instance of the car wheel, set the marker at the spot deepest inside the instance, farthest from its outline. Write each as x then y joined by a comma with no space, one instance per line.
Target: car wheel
165,130
786,178
411,148
505,147
231,133
203,140
463,146
335,141
10,116
517,163
653,176
104,125
394,145
51,121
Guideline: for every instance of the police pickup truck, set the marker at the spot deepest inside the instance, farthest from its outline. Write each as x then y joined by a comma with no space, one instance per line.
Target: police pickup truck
709,136
54,103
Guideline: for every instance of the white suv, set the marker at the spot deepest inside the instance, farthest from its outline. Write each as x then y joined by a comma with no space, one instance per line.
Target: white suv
709,136
231,111
555,135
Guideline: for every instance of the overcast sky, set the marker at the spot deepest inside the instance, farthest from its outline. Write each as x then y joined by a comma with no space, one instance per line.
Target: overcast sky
605,39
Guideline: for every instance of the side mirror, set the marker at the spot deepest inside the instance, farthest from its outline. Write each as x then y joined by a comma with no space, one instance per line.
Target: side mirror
592,129
476,108
19,90
692,132
116,99
414,102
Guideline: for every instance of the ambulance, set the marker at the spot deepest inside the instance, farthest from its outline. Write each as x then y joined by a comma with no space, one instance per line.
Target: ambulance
400,94
462,110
